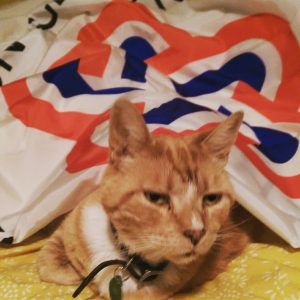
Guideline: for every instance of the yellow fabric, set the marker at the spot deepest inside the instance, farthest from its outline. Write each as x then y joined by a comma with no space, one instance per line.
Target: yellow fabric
262,272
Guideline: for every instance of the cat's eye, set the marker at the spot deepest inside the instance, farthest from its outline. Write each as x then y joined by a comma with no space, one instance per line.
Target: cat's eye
212,198
157,198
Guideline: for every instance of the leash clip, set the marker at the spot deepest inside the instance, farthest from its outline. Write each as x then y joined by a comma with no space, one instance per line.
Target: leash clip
122,271
147,274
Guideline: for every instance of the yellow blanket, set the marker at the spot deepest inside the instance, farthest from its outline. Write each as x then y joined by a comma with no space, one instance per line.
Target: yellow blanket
262,272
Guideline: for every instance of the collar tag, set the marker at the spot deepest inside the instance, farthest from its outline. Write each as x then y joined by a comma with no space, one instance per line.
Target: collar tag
115,288
115,284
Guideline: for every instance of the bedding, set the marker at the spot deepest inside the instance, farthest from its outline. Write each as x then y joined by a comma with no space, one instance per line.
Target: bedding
186,65
264,271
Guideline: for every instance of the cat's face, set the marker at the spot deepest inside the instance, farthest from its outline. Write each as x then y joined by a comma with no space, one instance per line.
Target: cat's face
167,197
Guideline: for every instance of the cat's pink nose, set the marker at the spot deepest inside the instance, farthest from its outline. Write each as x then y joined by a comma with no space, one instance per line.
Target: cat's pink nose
194,235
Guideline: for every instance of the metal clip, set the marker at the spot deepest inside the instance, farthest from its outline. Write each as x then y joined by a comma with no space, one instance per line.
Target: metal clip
146,275
122,271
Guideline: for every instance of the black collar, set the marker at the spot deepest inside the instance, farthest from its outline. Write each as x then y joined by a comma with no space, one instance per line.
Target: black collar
145,270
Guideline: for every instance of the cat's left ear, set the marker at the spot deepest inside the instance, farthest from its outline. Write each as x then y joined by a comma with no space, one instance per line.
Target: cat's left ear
220,140
128,133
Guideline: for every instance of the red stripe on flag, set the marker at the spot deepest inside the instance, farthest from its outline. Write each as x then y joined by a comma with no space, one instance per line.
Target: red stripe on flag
36,113
267,27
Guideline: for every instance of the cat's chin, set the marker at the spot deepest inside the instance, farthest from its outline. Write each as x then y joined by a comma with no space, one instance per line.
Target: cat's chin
193,256
185,258
183,261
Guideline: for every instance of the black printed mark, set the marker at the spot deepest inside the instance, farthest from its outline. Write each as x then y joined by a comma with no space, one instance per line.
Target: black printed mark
8,240
16,46
59,2
5,65
158,3
52,21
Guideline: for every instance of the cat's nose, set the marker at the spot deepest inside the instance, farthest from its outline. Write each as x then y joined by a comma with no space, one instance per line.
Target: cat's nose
194,235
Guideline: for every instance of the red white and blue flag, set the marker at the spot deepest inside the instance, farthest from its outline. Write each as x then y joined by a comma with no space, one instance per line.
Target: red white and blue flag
186,68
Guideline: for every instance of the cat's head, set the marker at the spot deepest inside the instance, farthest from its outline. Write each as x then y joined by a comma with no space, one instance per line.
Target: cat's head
167,196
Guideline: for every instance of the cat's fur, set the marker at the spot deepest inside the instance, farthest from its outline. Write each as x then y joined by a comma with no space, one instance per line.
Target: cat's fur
190,225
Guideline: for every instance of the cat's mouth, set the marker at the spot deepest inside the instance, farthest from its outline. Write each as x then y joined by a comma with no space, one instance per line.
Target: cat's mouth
189,254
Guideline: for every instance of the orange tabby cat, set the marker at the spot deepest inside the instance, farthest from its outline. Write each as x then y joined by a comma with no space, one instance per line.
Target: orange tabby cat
165,199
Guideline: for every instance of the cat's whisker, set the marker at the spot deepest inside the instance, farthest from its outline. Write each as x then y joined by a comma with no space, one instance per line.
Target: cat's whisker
236,225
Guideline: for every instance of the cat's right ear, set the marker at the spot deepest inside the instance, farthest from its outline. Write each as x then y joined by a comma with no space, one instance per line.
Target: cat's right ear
128,133
219,141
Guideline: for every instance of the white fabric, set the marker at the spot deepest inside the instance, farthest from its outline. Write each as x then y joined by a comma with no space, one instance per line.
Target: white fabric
41,177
